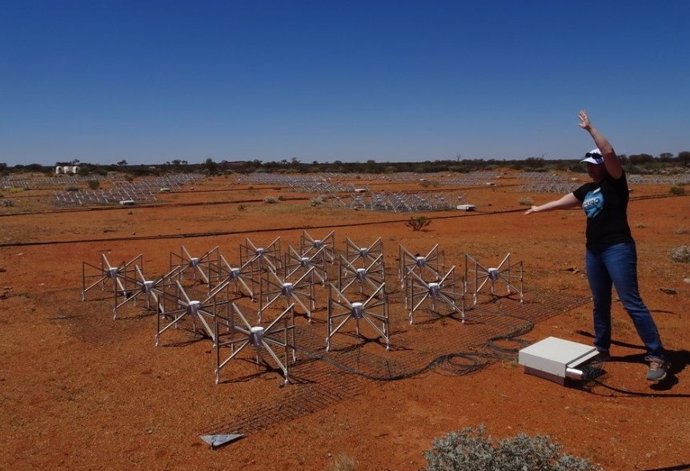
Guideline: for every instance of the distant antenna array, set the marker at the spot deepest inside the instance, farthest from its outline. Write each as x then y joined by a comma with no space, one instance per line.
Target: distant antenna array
546,183
409,202
479,277
480,178
141,191
238,333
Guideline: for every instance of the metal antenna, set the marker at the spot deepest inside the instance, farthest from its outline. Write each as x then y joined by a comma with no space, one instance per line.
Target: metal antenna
187,308
121,277
257,260
223,271
374,310
477,277
150,289
199,266
309,245
437,293
300,292
279,333
367,279
359,256
429,267
297,264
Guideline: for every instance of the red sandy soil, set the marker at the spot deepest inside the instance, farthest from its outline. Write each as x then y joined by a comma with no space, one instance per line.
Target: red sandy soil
79,390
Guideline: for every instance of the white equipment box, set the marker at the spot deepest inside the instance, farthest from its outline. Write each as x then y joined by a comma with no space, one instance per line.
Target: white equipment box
556,359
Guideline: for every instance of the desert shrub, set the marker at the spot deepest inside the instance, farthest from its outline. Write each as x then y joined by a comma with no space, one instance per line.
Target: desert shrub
681,254
281,198
677,190
417,223
470,449
526,201
241,207
72,188
342,462
315,202
94,184
270,200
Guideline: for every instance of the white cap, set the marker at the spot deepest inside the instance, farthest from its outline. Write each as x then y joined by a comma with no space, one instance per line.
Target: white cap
593,157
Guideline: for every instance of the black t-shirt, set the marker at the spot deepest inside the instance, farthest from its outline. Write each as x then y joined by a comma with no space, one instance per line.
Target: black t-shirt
605,204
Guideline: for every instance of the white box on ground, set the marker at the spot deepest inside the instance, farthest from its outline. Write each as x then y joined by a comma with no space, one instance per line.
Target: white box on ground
555,359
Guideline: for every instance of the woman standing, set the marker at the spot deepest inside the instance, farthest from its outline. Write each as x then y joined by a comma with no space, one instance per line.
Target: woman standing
611,257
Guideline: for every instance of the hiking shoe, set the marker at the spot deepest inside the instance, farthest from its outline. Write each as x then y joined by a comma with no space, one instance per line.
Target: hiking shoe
657,370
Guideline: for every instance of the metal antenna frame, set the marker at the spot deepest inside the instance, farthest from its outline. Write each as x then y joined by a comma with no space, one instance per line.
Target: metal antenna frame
261,338
258,260
204,311
299,291
121,276
296,263
223,271
355,253
199,265
152,290
309,245
441,290
482,276
374,309
429,267
371,276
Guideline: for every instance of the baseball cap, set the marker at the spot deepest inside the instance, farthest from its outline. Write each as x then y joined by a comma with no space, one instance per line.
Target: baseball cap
593,157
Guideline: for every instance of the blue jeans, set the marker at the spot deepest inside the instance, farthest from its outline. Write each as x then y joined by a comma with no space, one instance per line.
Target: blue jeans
617,265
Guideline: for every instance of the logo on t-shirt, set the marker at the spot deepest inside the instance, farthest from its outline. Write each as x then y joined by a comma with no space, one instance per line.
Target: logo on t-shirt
593,203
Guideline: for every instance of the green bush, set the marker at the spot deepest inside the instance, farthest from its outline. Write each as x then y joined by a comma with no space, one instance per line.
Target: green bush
417,223
94,184
677,190
470,449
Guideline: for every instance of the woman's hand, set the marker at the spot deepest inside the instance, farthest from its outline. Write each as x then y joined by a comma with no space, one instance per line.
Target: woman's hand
584,120
531,210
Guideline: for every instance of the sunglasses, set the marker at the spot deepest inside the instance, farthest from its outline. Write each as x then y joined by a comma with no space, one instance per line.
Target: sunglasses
593,155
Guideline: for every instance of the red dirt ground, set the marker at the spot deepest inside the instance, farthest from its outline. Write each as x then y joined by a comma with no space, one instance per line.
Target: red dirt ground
79,390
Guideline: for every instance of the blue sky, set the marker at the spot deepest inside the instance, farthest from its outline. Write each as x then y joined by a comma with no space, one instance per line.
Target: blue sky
153,81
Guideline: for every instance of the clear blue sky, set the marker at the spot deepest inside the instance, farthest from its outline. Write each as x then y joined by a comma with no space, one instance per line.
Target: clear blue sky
324,80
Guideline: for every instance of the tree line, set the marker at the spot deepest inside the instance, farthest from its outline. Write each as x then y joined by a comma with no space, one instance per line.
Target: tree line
634,164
